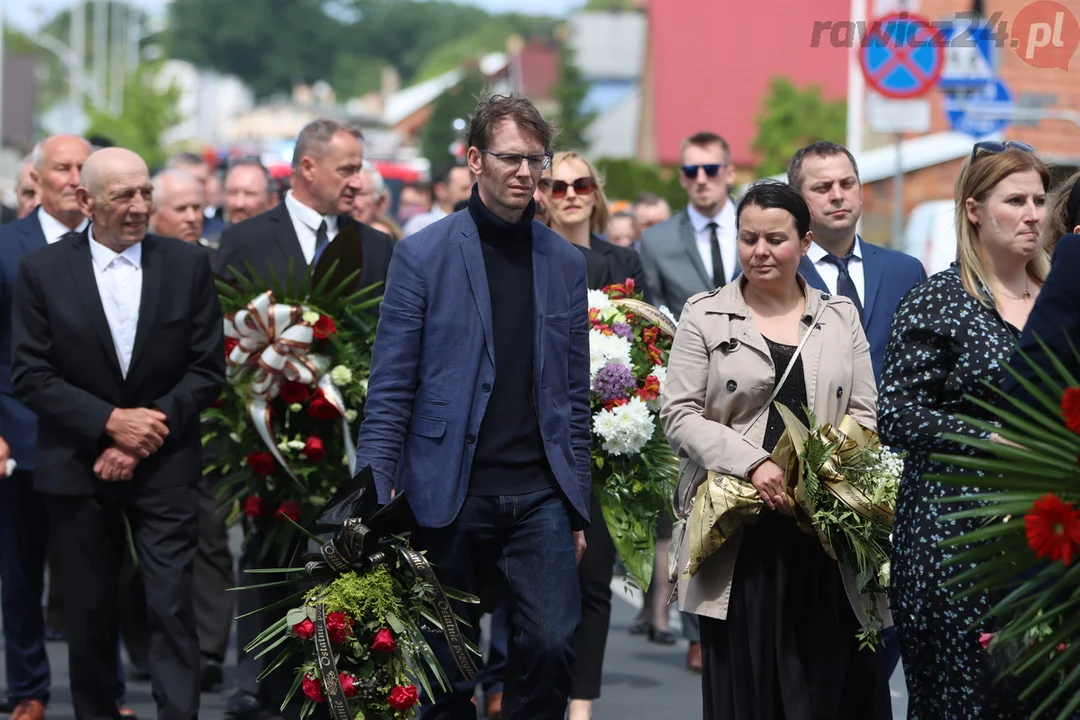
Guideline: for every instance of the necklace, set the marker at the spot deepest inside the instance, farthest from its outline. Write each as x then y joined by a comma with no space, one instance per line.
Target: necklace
1025,296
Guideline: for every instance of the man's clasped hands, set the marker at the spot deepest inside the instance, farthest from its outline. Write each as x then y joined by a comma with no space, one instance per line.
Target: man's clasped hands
136,434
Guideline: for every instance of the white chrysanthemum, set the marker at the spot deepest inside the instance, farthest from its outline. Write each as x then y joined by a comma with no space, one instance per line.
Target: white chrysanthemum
296,444
363,386
669,314
885,574
626,428
341,375
310,316
660,372
604,349
350,416
599,300
235,437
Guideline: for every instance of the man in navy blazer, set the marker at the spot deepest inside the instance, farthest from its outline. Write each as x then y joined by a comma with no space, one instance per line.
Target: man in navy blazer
24,525
841,263
478,407
876,279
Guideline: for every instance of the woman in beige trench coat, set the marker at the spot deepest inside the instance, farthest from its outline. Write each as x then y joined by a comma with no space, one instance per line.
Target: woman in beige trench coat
779,617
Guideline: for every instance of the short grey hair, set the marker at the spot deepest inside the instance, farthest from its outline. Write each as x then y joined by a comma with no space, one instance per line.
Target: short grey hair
37,154
378,183
162,178
315,137
184,159
255,163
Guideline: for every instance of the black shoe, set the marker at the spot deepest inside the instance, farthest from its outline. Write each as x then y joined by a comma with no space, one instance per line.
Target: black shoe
212,675
640,627
242,706
661,637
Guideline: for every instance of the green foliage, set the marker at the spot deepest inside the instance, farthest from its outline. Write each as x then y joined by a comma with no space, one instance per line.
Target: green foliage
610,5
457,102
626,179
489,36
572,120
791,118
147,113
367,598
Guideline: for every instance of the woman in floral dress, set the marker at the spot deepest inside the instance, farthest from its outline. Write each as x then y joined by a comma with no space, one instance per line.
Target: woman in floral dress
948,337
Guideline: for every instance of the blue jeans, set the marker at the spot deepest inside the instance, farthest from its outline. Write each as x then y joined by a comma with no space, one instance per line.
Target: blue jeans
528,540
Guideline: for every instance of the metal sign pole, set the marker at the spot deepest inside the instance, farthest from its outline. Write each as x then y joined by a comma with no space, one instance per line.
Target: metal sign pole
898,192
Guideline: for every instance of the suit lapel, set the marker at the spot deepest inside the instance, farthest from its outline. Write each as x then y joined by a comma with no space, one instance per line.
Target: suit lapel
151,289
810,275
540,260
473,256
288,244
689,241
873,270
82,272
32,237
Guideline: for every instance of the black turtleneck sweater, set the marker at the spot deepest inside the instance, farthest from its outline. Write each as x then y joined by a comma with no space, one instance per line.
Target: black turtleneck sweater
510,457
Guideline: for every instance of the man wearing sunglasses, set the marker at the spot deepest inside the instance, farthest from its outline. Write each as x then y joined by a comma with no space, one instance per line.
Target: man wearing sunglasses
695,251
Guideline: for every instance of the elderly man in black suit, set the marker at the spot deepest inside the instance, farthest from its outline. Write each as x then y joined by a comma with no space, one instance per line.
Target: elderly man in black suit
288,240
118,347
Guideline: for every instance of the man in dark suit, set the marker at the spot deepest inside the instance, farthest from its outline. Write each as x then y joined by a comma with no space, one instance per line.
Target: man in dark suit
842,263
839,261
118,346
696,250
24,526
478,408
290,238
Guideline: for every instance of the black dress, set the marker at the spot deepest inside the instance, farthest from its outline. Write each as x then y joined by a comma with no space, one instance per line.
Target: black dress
788,650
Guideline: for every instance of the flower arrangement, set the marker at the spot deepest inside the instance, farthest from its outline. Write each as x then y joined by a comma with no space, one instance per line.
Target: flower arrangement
1023,553
634,469
356,639
298,358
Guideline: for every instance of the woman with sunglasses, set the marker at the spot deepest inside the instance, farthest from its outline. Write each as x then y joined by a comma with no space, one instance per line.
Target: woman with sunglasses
580,213
948,338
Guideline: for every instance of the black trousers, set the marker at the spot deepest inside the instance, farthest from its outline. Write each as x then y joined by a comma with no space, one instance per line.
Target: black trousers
92,541
214,573
594,576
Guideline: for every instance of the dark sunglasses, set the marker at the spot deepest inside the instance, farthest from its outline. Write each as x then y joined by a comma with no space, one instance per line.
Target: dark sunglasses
582,186
993,147
711,170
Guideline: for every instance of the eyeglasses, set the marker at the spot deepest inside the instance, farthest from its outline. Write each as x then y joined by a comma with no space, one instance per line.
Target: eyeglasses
537,163
582,186
993,147
711,170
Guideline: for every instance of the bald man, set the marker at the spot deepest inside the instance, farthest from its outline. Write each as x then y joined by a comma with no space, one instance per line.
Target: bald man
24,528
117,361
178,205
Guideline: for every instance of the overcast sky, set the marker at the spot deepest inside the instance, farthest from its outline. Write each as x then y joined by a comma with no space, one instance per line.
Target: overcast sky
24,14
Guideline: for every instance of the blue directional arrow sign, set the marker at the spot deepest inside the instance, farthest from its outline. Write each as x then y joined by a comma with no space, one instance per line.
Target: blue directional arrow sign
981,112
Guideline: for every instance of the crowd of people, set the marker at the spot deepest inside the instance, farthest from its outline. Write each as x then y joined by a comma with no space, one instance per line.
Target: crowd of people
111,345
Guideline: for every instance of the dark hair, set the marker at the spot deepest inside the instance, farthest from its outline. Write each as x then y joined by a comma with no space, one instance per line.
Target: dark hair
420,187
442,173
492,110
1062,212
704,139
769,194
822,149
647,198
251,161
100,141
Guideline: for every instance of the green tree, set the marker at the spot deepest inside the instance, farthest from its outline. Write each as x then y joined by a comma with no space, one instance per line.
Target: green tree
610,5
147,113
572,119
491,36
791,118
456,103
626,179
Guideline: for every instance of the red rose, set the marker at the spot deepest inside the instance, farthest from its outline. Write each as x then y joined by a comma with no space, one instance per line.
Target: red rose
294,392
324,327
313,689
305,629
384,641
348,684
313,449
253,506
1070,408
321,409
261,463
339,627
290,509
403,697
218,404
230,343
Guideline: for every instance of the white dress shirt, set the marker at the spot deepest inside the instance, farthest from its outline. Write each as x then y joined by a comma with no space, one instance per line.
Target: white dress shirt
53,229
830,273
306,222
418,222
119,281
725,234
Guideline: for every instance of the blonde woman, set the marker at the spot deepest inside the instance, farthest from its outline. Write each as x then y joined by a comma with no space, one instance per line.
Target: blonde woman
948,337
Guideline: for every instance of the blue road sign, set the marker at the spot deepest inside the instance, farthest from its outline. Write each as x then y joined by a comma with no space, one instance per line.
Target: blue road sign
980,111
969,54
901,57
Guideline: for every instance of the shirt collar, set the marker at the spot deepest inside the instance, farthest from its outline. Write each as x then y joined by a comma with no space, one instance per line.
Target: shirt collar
103,256
725,218
310,217
816,253
53,229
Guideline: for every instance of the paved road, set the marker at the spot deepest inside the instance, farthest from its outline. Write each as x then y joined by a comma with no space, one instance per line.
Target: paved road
642,681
